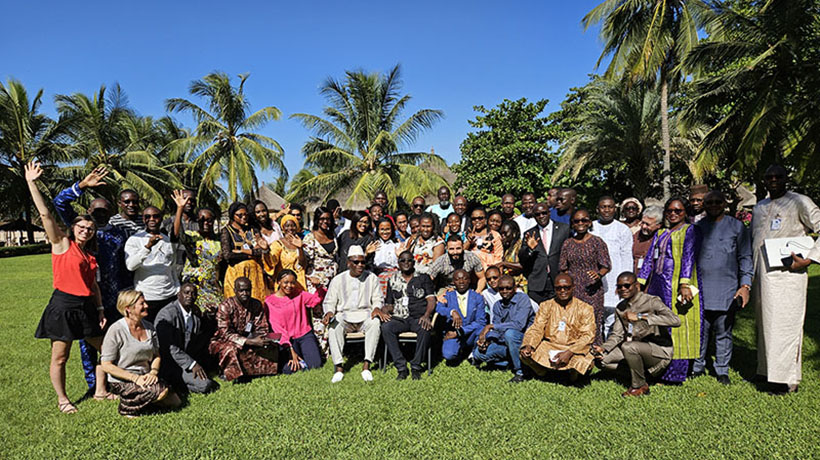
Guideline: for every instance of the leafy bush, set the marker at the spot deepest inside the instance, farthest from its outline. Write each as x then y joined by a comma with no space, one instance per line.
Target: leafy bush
26,250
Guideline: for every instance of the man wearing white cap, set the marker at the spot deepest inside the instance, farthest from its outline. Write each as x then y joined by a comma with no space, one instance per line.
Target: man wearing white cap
353,304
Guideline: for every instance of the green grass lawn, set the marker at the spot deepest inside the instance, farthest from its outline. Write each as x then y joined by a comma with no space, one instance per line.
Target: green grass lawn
455,413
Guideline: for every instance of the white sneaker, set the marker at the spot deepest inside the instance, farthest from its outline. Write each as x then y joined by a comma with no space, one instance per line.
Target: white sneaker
367,376
337,377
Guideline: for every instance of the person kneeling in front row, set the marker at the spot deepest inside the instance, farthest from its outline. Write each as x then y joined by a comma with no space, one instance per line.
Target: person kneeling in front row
640,335
130,357
561,336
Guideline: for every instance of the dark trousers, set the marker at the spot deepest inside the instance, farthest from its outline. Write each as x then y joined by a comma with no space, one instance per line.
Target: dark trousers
717,324
541,296
154,306
390,335
306,347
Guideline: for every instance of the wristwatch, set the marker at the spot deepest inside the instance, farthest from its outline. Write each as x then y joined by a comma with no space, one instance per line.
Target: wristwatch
642,315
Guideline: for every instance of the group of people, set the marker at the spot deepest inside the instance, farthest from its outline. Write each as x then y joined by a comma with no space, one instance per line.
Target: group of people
552,290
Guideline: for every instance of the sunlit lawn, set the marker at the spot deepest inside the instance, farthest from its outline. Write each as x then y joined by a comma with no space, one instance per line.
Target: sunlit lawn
455,413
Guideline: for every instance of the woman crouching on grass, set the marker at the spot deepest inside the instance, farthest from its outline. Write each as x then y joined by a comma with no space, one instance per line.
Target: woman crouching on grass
130,356
75,310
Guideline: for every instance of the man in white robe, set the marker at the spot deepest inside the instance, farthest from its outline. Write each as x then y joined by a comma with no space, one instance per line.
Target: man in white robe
618,238
780,293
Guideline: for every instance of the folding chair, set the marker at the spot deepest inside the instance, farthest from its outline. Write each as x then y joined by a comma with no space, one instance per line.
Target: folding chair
412,337
358,338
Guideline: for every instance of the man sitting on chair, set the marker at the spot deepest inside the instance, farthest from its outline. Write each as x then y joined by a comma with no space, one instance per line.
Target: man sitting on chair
499,343
466,316
353,304
561,335
410,302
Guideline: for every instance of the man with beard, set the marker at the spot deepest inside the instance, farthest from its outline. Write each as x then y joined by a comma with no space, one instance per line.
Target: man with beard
183,343
641,242
541,253
241,343
443,208
526,220
508,206
152,256
564,206
110,255
129,219
409,305
443,269
618,239
780,303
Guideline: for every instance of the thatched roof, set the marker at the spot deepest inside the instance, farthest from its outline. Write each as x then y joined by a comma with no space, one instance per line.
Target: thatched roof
270,198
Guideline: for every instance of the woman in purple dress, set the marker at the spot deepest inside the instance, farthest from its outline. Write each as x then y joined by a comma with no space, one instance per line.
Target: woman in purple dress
669,271
586,258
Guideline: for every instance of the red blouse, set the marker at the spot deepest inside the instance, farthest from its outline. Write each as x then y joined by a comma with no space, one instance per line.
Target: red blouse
74,271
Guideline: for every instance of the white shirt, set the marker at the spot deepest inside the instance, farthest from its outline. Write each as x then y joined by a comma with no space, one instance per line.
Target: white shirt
341,225
385,256
154,269
618,239
353,299
545,233
187,317
525,223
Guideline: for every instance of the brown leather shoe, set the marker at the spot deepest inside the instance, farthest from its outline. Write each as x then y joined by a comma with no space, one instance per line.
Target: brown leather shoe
640,391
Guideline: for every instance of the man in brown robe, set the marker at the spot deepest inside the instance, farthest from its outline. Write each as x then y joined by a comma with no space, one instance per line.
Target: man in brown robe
561,335
241,342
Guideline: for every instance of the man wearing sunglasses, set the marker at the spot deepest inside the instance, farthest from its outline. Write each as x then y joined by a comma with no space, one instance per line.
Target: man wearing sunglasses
129,219
408,307
152,256
559,339
354,304
725,261
640,335
781,301
541,252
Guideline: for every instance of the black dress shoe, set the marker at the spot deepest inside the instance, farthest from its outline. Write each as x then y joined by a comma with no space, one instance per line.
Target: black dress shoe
416,375
517,378
402,376
724,379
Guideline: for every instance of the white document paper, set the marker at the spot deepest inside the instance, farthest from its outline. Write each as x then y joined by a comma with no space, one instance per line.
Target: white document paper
553,354
778,248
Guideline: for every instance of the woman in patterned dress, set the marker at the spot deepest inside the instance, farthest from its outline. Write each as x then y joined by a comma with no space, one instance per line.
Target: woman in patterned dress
203,268
586,258
320,265
243,250
287,252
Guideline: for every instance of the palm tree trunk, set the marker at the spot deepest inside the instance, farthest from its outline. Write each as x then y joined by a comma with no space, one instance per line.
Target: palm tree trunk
667,155
27,219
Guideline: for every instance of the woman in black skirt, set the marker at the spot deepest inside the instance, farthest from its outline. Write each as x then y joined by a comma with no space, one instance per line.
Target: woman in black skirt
75,310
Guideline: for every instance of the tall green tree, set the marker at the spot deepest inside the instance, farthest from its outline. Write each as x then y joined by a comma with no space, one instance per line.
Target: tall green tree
225,144
760,89
103,130
648,40
508,152
25,134
358,145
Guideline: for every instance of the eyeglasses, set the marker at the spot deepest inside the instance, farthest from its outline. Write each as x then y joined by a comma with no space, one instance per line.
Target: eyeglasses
563,288
151,216
582,221
326,218
624,285
241,214
505,288
490,278
478,218
540,214
675,211
630,208
356,262
418,205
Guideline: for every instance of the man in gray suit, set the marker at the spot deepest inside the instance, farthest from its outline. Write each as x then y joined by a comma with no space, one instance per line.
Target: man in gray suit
639,336
540,253
183,342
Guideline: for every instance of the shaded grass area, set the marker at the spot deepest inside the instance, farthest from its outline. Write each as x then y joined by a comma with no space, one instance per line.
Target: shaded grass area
457,412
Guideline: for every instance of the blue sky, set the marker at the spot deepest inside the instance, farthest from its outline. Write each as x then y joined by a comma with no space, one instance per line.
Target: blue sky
453,54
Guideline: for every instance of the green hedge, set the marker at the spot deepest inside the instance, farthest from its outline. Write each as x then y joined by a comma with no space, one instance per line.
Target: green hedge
14,251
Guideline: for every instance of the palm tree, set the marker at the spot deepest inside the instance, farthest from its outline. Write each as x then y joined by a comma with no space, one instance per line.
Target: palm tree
224,145
104,130
616,130
25,134
648,39
760,93
356,146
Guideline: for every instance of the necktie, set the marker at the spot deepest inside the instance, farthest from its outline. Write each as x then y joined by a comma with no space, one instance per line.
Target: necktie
462,304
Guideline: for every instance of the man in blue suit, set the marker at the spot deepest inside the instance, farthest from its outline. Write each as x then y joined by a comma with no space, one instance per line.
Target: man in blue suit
466,317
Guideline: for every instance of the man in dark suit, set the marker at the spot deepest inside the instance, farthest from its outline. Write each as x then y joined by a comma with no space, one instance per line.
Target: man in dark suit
183,336
541,252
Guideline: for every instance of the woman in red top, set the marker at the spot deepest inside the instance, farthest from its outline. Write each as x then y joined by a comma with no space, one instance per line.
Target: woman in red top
75,309
288,313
